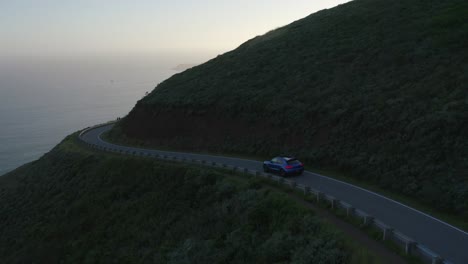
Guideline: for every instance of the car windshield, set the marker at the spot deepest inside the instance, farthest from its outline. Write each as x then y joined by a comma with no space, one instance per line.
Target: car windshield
294,162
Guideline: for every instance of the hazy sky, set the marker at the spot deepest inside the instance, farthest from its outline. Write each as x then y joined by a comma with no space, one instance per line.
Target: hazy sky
63,27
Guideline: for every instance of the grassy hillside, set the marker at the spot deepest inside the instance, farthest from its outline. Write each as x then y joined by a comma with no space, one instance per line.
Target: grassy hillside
75,206
374,88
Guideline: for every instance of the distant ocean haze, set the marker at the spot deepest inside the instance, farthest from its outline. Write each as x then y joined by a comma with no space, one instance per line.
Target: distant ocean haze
44,100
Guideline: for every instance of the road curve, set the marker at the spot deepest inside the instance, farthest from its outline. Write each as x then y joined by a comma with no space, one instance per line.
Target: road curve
448,241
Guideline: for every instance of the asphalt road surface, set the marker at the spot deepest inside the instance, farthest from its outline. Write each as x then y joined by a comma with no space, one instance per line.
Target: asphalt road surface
448,241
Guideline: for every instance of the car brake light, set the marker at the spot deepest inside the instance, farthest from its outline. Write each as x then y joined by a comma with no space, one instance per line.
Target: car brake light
289,167
302,164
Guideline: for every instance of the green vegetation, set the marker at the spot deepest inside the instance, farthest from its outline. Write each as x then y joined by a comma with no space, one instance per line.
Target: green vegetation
375,89
79,206
444,215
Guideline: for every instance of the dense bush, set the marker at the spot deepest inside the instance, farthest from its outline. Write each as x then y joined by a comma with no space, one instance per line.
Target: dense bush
75,207
375,88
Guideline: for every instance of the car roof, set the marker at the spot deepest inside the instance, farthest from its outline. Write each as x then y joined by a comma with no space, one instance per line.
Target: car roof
288,158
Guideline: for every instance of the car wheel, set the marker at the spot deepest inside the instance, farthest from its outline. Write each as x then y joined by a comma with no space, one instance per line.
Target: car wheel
265,168
282,173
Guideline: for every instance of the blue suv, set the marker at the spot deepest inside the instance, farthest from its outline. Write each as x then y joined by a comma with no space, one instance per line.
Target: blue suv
284,166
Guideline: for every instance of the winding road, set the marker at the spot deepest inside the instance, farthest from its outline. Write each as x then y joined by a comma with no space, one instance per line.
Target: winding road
448,241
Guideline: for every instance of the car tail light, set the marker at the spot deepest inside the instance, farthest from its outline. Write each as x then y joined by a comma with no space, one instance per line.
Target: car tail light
302,164
289,167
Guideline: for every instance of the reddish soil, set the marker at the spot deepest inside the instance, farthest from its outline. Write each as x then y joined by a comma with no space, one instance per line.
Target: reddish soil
203,131
207,130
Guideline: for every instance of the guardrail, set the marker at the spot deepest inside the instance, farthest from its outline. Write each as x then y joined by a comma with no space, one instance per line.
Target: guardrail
410,246
93,127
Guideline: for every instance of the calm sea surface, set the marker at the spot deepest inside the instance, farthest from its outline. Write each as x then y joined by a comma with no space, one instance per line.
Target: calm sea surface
44,100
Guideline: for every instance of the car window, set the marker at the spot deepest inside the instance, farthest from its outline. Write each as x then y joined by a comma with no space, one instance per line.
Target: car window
276,160
294,162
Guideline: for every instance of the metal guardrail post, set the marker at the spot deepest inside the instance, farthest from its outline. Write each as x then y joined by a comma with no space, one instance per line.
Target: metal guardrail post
387,232
334,203
319,196
409,246
368,220
293,184
349,211
437,260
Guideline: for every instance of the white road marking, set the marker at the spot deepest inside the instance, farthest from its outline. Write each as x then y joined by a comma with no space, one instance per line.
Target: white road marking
313,173
391,200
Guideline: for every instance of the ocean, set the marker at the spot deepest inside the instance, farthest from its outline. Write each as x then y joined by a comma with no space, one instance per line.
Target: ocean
42,100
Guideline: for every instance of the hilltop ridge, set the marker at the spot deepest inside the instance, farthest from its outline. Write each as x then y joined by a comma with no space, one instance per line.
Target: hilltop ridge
374,88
